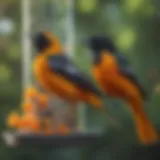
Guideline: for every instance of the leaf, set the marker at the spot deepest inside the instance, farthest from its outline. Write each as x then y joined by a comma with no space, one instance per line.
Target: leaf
126,39
87,5
132,6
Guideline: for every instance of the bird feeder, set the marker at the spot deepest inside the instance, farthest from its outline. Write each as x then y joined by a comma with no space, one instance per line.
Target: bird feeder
45,119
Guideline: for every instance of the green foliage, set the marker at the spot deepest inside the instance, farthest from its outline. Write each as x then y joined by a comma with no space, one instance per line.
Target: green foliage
132,24
5,73
87,6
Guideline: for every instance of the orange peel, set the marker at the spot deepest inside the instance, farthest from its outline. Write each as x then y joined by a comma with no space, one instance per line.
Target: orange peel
28,107
30,93
13,120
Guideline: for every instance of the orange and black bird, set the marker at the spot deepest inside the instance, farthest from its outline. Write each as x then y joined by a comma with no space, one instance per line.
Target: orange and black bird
117,79
59,75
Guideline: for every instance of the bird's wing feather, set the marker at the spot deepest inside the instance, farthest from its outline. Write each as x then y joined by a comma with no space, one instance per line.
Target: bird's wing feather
63,66
127,71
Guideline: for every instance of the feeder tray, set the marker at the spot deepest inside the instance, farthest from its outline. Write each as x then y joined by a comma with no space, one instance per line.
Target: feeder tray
15,139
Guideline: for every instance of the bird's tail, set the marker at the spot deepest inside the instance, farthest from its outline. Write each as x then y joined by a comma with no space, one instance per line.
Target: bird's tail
145,130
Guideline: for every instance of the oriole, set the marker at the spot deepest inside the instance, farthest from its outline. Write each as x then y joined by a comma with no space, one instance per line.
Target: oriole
117,79
59,75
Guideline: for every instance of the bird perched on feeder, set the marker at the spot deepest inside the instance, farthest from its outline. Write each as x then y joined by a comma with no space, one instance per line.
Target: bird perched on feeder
117,79
59,75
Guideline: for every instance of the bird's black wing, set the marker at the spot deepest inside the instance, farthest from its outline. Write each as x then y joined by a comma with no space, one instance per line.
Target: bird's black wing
127,71
63,66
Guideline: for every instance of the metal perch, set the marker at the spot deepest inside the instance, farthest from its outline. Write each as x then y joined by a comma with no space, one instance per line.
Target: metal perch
31,140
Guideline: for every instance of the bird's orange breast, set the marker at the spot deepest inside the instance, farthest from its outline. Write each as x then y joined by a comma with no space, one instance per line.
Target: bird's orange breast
111,80
53,82
105,72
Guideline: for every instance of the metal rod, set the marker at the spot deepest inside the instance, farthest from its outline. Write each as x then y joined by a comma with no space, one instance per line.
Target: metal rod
26,46
70,45
70,29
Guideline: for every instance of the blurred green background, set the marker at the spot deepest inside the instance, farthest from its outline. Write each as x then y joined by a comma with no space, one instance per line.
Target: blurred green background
134,25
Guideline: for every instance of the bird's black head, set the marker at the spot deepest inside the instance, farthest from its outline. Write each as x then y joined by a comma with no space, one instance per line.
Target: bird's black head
41,41
100,43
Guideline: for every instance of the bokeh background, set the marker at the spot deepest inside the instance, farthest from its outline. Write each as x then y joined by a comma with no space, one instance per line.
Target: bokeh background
134,25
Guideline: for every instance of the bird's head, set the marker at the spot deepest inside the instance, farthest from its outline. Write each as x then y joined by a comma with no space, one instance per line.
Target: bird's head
43,41
100,43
